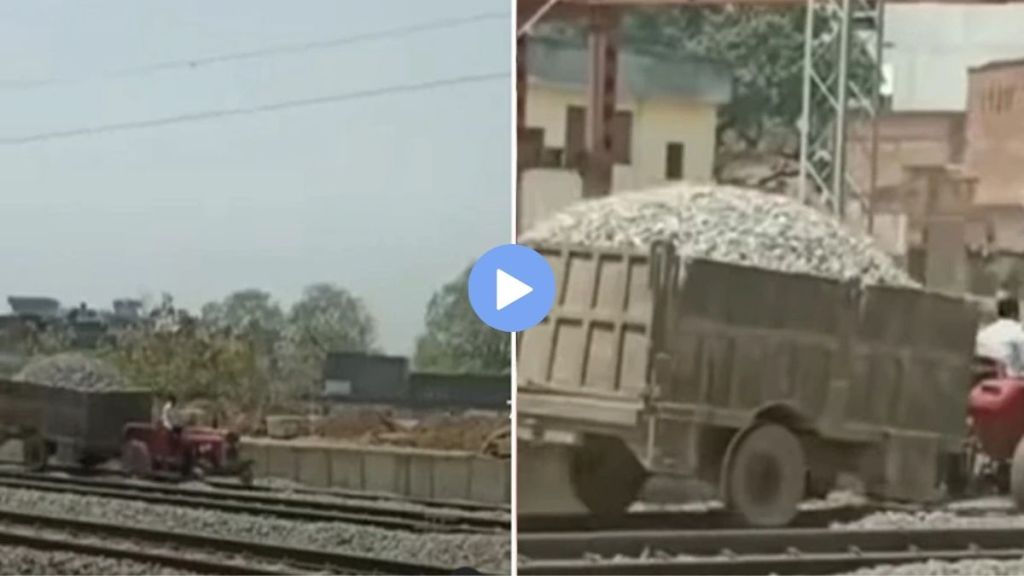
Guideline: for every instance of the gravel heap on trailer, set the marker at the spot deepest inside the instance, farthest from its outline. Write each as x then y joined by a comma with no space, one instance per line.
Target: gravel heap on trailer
18,560
74,371
726,224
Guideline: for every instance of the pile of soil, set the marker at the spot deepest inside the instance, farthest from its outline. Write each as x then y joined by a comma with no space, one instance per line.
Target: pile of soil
469,432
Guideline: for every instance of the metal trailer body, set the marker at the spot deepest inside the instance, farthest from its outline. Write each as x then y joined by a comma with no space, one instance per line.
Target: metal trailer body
79,427
642,370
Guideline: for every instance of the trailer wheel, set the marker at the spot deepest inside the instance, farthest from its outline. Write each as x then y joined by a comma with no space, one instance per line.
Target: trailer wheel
136,460
34,453
606,476
764,475
1017,475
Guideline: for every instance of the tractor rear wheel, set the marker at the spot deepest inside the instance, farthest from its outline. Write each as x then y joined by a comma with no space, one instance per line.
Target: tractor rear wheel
136,460
1017,475
764,475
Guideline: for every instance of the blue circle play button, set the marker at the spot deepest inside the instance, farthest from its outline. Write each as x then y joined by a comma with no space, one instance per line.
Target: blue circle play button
511,288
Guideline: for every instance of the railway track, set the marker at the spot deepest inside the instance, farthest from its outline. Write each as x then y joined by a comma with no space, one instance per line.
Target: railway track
710,519
361,495
203,554
749,552
382,514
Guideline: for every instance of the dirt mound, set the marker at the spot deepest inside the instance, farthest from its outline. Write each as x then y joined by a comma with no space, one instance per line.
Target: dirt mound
437,432
356,424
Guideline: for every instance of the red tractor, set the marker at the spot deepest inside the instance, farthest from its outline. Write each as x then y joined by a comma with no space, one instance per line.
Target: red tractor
996,410
152,450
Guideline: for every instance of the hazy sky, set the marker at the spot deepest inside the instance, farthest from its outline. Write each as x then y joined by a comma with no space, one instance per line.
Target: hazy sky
389,196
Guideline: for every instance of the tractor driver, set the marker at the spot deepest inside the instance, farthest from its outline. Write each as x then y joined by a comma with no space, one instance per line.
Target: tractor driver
1003,340
169,417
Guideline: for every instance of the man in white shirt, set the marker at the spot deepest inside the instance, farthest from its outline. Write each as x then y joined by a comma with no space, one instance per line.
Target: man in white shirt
1003,340
169,413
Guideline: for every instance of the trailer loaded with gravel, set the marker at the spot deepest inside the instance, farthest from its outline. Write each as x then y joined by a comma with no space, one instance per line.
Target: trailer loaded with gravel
69,407
740,339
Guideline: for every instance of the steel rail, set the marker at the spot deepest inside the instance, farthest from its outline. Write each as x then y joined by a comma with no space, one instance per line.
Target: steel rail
767,541
75,473
796,564
247,503
307,559
783,551
714,519
466,505
126,551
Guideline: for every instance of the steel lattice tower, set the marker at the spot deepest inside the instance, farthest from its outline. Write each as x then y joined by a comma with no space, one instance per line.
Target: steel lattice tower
842,83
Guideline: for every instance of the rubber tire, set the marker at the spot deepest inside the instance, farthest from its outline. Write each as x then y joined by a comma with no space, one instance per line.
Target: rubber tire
1017,476
136,460
34,453
764,453
606,476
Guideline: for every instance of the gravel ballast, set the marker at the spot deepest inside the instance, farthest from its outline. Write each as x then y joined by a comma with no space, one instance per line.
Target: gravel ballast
726,224
929,519
938,568
18,560
73,371
481,551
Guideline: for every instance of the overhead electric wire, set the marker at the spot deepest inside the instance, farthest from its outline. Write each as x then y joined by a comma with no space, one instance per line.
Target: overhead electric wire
277,50
207,115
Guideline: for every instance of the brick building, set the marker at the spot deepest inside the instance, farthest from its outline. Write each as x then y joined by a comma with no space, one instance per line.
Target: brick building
995,131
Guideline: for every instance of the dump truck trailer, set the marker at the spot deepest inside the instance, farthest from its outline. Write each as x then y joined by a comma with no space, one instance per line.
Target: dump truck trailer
83,428
764,384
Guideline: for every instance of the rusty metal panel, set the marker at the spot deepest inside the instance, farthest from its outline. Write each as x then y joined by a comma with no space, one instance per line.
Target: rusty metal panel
596,339
912,361
743,337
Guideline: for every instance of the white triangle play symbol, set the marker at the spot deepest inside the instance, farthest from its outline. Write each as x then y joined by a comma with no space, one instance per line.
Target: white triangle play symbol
510,289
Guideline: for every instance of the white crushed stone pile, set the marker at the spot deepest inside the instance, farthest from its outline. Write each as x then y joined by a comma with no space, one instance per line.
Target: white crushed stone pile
929,519
940,568
485,552
726,224
18,560
74,371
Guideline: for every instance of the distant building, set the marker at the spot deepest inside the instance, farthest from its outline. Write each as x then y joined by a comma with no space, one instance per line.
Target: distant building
665,129
930,48
995,131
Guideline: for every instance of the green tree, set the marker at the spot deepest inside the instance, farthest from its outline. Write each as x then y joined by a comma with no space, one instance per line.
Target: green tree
762,47
455,339
326,319
174,351
249,310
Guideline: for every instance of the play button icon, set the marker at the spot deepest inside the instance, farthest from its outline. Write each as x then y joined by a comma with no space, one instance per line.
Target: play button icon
511,288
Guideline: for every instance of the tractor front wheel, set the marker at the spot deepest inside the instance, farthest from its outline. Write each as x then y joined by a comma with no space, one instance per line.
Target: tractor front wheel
136,460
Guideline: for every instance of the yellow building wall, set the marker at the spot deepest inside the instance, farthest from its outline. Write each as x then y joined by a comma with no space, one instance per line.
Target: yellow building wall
655,124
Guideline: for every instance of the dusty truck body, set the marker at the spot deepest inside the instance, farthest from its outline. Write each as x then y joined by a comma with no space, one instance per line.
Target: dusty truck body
78,427
763,384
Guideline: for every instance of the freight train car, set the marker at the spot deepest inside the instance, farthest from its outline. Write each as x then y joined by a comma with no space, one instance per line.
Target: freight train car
78,427
764,384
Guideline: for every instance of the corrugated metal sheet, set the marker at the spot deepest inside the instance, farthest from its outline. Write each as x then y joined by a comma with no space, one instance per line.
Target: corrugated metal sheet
932,46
